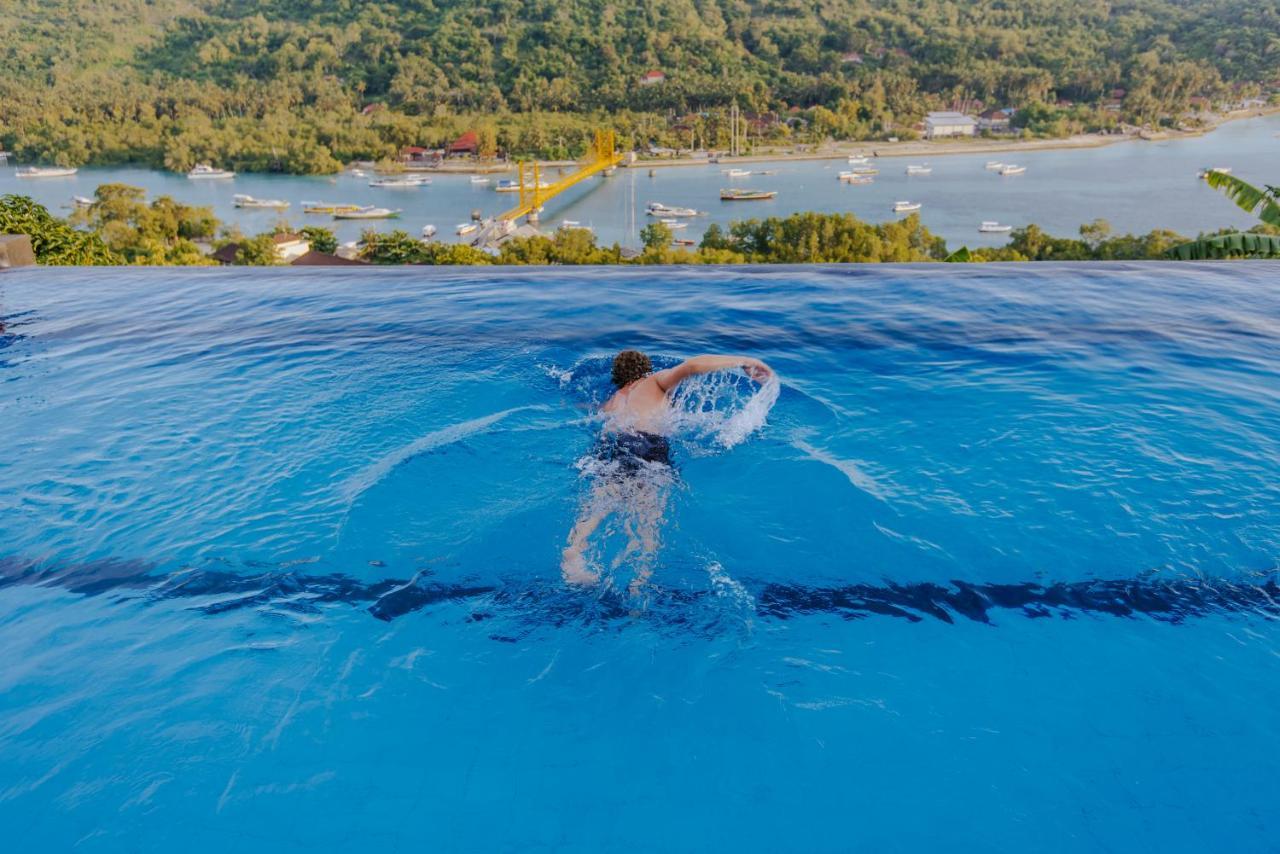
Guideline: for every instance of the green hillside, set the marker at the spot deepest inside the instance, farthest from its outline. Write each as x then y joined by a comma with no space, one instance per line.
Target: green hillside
270,84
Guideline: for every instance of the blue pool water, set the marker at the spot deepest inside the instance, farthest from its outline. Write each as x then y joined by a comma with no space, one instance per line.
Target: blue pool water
279,562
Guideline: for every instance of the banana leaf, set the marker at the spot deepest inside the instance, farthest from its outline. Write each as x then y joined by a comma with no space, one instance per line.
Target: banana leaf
1241,244
1264,201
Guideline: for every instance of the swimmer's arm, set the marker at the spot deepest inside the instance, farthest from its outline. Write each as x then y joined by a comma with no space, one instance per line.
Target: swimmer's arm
672,377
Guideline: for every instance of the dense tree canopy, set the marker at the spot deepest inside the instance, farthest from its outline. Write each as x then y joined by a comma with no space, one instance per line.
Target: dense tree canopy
285,84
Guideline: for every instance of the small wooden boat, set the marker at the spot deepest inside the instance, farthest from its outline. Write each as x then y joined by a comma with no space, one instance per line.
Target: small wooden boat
990,226
738,195
45,172
368,213
906,207
328,207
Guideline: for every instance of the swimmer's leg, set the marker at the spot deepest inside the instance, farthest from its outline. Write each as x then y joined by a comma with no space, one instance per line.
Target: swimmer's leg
647,514
573,560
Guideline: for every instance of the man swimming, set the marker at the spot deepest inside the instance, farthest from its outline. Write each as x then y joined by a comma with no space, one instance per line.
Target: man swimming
635,451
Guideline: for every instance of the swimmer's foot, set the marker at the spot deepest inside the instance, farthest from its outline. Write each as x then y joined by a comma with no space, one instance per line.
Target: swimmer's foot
573,567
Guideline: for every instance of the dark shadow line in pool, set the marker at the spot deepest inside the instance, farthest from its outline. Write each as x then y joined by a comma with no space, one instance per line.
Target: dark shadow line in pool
549,602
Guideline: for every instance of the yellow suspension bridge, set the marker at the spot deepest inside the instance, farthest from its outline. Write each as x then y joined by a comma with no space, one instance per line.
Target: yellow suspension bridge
533,194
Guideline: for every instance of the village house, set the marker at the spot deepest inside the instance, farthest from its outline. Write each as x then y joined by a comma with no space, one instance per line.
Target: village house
288,248
416,154
994,121
467,145
652,78
947,123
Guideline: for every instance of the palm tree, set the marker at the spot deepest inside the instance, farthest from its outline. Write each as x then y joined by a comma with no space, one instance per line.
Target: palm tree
1264,202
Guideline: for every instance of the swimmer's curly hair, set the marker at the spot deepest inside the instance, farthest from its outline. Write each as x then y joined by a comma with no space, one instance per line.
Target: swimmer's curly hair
629,366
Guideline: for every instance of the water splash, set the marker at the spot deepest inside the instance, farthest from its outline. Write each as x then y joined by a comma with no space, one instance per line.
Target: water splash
719,410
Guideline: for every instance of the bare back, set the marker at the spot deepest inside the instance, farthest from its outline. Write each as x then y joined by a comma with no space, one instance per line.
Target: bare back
643,406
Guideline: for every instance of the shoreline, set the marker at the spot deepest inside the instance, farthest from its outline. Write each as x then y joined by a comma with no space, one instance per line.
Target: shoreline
978,145
909,148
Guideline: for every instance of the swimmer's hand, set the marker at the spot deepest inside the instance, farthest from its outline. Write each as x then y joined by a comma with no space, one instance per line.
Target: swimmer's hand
757,370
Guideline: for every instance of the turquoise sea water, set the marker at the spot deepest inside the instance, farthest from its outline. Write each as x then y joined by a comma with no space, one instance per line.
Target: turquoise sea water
1136,186
279,562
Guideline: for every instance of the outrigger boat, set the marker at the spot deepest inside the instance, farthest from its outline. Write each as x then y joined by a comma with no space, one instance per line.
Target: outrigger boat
328,208
241,200
737,195
45,172
368,213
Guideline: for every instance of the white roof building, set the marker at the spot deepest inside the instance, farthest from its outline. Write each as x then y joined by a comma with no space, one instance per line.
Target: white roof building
942,124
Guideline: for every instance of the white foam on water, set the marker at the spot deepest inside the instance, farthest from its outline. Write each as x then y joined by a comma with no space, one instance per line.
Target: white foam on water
722,407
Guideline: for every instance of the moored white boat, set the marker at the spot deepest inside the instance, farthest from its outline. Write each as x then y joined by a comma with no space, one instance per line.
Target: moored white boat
82,201
990,226
205,171
428,232
401,181
1012,169
509,185
367,213
465,228
674,224
994,165
661,210
574,225
865,170
737,173
906,207
919,170
858,160
241,200
45,172
479,179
